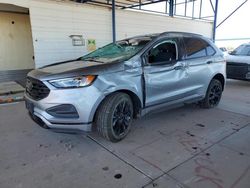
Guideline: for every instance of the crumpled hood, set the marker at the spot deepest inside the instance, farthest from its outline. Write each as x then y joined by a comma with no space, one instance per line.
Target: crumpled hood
75,68
238,59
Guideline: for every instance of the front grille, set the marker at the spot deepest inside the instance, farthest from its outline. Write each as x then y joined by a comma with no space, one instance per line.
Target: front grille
36,89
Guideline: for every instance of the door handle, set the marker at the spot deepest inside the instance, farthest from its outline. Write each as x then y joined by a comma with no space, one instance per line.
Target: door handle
179,67
209,62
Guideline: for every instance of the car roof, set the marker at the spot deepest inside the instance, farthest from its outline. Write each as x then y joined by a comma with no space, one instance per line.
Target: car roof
168,33
177,33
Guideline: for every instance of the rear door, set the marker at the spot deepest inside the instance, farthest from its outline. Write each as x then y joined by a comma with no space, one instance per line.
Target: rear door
164,72
199,57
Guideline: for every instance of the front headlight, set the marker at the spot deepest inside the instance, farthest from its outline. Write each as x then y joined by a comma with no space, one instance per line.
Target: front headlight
76,82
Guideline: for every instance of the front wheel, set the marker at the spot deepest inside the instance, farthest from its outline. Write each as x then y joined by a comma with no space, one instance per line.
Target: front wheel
213,95
114,117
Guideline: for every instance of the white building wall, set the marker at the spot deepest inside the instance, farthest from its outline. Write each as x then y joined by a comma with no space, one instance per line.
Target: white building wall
54,21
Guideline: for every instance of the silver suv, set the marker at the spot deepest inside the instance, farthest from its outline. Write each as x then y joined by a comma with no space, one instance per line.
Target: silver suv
124,80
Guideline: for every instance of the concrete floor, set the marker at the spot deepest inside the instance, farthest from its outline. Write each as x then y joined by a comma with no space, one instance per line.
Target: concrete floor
180,148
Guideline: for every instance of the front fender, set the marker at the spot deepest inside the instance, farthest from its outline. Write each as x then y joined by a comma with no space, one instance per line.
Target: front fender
111,83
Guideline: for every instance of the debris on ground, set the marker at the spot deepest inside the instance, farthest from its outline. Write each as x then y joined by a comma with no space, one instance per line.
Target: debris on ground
67,144
11,92
200,125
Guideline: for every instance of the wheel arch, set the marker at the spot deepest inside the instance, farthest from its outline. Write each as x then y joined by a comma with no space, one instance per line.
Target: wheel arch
137,104
221,78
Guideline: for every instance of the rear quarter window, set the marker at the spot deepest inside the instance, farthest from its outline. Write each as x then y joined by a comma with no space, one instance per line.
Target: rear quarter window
197,48
210,50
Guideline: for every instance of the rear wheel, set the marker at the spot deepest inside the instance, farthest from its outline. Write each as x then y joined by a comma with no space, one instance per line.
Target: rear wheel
114,117
213,95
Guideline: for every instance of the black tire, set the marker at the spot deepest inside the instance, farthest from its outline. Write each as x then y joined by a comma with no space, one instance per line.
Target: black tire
114,117
213,95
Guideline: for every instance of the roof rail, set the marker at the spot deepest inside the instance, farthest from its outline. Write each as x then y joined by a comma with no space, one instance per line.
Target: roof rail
180,33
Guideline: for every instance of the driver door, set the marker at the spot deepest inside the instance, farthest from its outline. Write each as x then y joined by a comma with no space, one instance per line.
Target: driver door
164,73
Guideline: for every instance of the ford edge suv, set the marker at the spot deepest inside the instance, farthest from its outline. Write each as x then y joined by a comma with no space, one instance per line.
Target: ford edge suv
124,80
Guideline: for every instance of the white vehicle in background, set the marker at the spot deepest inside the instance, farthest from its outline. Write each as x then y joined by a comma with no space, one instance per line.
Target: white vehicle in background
238,63
224,50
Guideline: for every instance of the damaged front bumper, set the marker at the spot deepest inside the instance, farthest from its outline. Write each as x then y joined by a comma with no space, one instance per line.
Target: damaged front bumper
65,109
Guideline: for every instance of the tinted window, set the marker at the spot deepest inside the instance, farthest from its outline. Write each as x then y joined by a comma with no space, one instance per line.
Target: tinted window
210,50
243,50
196,48
163,52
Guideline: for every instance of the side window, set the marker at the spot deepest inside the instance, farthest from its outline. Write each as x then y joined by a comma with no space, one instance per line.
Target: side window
248,54
196,48
245,51
164,52
210,50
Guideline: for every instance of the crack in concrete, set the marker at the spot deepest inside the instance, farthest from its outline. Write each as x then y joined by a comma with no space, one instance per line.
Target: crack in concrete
120,158
195,155
238,113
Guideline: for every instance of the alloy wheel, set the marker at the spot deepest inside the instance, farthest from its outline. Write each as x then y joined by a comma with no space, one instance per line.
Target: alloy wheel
121,118
215,95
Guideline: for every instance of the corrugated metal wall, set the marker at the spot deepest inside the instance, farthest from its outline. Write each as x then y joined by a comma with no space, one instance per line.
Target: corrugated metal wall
53,22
